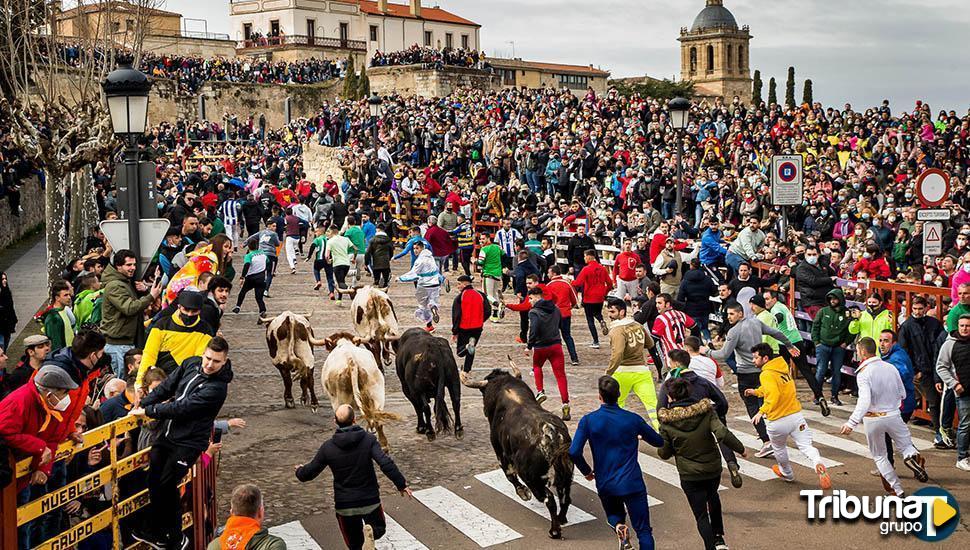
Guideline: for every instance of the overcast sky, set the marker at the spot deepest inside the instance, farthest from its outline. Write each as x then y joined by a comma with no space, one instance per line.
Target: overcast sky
858,51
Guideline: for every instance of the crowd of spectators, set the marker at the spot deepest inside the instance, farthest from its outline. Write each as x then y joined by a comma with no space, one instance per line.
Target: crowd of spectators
434,57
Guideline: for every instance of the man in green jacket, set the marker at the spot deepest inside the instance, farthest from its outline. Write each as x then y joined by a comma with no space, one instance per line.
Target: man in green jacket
356,236
961,308
59,322
87,303
830,333
872,321
244,529
490,262
122,310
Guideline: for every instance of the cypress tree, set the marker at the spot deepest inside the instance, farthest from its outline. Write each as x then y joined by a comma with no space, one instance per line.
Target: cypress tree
790,88
350,82
772,91
363,84
807,95
756,89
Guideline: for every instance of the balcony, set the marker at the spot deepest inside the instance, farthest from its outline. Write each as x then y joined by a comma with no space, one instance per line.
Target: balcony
300,41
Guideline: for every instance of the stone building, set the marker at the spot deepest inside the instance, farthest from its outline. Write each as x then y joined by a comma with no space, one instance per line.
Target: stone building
516,73
714,54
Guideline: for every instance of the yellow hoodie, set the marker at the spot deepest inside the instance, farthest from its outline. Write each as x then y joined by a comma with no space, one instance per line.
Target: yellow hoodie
778,390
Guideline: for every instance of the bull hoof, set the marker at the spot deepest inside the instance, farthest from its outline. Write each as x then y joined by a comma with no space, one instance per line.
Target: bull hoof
555,534
459,433
562,519
290,404
523,493
313,408
431,435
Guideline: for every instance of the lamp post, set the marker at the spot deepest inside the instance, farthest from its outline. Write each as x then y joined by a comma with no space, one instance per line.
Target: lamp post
126,91
374,103
679,114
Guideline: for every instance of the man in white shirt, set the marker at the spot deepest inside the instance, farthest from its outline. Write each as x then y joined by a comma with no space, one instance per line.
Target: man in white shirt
704,366
880,393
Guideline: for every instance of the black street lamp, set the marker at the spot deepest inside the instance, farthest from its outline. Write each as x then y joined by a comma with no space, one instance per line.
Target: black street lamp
126,91
374,104
679,116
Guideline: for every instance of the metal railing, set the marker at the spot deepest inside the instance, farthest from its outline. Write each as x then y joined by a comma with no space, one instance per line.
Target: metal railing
302,40
205,35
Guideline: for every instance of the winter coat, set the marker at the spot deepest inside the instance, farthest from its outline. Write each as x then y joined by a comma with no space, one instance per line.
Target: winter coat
686,429
121,309
917,335
898,358
543,325
440,240
188,402
22,418
813,282
83,377
712,248
831,325
379,251
696,289
350,453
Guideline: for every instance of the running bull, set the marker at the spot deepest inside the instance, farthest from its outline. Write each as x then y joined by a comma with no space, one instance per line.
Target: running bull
375,321
426,368
531,444
290,340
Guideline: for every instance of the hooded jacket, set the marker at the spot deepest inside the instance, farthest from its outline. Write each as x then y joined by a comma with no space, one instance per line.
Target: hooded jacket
953,364
188,402
898,358
122,308
917,335
777,390
543,325
696,289
813,282
23,419
869,325
171,341
686,428
595,281
350,454
424,271
379,251
831,325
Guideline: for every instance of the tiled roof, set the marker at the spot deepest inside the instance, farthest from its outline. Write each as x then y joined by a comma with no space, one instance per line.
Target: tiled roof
118,6
404,11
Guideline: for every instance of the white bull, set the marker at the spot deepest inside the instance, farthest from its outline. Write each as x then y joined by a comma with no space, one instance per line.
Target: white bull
375,322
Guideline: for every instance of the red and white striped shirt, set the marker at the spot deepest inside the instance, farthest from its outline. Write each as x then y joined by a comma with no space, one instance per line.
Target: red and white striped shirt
672,327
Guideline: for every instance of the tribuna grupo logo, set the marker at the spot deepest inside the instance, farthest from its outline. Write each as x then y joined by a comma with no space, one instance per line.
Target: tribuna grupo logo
930,514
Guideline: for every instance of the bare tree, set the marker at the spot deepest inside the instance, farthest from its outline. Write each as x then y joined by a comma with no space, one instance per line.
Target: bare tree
51,98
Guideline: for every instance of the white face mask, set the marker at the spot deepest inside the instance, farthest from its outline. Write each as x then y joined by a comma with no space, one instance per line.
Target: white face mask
63,404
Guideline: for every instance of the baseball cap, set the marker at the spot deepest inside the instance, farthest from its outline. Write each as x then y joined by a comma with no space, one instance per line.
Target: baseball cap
54,377
757,300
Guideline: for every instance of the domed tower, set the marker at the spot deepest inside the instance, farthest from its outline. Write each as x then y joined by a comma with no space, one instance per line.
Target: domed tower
714,54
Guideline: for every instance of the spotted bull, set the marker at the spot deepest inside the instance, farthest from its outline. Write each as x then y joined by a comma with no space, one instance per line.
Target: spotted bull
426,367
375,321
290,340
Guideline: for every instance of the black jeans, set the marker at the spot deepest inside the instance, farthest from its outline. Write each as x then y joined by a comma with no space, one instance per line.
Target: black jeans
565,329
706,506
594,312
340,274
726,451
927,388
257,283
523,325
465,255
382,277
352,527
168,464
746,381
463,336
801,363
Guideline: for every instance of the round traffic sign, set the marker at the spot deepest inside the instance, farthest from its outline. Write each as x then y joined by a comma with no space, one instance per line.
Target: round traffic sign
787,171
933,187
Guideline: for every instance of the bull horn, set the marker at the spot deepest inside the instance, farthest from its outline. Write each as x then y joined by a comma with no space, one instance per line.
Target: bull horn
391,337
319,341
308,315
466,380
515,370
264,320
348,291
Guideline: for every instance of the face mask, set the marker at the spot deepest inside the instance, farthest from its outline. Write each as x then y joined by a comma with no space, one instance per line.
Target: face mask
938,282
929,278
866,255
909,195
813,212
844,217
812,260
966,267
160,205
892,219
876,223
63,404
865,216
189,319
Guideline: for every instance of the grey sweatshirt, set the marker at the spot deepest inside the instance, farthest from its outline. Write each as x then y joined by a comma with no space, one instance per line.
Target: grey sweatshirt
748,333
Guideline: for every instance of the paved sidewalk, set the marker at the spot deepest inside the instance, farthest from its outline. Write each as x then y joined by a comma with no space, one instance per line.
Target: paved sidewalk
28,283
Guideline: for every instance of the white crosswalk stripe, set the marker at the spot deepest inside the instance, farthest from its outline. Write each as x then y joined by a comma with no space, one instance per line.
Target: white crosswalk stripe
295,536
398,538
834,441
921,444
481,528
578,479
794,455
496,480
664,471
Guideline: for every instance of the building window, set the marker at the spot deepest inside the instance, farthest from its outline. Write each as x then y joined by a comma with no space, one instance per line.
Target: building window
573,81
508,77
130,24
710,59
373,33
740,57
344,31
115,26
449,40
464,41
427,38
730,59
247,31
693,60
274,27
311,26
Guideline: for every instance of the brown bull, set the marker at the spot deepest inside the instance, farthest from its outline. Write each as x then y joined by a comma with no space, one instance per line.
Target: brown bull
290,340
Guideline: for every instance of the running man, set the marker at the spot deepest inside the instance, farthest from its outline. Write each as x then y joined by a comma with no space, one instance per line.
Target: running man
782,413
627,365
880,393
595,281
424,273
671,325
614,439
318,253
468,314
546,346
490,262
341,253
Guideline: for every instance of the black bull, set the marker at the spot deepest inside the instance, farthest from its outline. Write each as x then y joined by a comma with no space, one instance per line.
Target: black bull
426,367
531,444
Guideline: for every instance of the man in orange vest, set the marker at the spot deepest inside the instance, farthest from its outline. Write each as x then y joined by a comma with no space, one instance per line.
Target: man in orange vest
244,528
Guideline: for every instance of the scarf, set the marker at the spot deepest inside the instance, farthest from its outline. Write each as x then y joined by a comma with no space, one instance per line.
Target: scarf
239,530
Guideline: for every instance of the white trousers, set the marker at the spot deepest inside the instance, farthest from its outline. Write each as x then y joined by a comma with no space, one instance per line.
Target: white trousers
493,290
291,244
795,427
232,231
427,298
877,428
624,288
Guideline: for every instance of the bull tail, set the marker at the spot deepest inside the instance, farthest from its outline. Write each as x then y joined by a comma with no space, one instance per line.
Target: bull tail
441,414
371,414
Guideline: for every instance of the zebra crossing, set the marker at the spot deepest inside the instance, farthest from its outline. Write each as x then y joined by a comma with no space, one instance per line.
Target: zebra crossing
480,514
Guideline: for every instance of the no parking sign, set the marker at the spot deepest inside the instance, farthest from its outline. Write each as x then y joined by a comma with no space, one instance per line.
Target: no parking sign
786,180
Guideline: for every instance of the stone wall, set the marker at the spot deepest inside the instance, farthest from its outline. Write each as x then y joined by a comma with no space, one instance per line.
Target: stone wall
13,227
320,162
189,46
420,81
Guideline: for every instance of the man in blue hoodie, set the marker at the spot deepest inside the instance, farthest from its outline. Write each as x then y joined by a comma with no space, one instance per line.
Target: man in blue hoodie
614,438
895,355
713,250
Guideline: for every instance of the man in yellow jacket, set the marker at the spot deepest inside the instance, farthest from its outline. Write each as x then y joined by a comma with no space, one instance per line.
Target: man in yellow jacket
175,338
782,413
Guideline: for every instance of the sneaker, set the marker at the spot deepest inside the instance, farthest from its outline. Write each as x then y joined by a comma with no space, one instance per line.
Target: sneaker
824,405
874,473
447,285
719,543
623,536
917,464
519,340
368,538
574,362
235,309
540,397
777,469
338,302
470,346
266,294
886,486
565,413
331,296
824,481
434,314
150,539
735,471
182,545
964,464
765,452
836,402
293,271
317,286
944,437
429,327
595,345
604,328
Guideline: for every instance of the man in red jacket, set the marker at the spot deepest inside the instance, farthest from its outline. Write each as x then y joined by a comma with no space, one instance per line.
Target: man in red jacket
468,314
561,292
594,279
625,273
